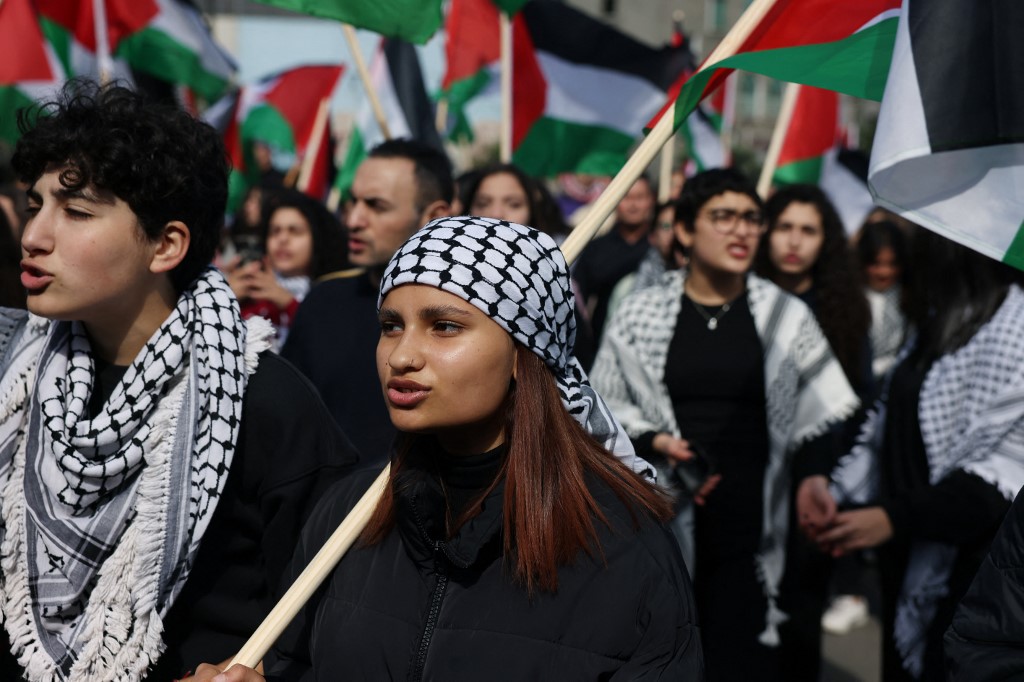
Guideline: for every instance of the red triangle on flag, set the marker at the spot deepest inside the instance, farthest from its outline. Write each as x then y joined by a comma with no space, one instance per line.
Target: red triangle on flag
124,17
22,49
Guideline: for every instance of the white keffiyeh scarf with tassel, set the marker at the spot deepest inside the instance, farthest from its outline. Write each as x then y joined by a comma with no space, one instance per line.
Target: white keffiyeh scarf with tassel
971,409
102,515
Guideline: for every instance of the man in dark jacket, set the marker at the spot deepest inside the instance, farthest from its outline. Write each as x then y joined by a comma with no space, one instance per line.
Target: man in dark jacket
401,186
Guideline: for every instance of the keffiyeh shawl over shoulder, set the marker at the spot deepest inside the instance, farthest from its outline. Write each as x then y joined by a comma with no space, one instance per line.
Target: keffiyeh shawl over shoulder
102,514
805,390
971,409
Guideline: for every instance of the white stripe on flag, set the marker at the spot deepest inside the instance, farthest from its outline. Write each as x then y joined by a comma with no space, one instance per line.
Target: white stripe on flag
848,193
593,96
380,76
973,196
706,149
184,25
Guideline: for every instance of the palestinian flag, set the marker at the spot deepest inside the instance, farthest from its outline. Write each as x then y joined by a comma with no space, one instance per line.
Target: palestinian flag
842,45
412,20
949,147
582,90
166,39
812,153
472,49
398,80
28,68
279,110
707,129
176,46
70,28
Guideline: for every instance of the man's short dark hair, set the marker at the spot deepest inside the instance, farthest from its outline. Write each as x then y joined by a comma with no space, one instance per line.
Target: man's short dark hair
702,187
161,161
432,169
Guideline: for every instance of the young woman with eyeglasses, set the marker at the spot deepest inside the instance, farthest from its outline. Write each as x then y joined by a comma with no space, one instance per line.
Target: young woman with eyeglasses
722,363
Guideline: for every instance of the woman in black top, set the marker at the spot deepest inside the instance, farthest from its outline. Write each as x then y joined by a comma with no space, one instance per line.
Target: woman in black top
717,360
509,543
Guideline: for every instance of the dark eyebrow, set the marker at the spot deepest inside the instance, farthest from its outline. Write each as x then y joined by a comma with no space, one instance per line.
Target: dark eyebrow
85,194
436,311
388,315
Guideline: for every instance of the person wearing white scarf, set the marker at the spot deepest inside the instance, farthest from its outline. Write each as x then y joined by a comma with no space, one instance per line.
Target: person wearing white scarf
122,387
719,220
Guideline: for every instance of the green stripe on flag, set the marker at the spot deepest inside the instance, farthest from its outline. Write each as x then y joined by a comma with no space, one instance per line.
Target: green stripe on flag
857,65
60,40
1015,254
806,171
353,157
553,146
11,99
411,20
157,54
266,124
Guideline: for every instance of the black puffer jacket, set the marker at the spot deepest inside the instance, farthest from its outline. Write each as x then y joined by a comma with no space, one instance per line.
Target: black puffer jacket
417,608
986,639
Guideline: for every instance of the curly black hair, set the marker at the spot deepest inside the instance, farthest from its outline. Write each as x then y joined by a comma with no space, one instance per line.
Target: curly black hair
704,186
842,308
161,161
330,249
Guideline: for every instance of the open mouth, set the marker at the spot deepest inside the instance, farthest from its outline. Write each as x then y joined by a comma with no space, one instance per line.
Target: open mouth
34,278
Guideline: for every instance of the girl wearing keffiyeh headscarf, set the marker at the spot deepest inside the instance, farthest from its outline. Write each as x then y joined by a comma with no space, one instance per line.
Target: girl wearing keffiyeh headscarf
510,543
129,391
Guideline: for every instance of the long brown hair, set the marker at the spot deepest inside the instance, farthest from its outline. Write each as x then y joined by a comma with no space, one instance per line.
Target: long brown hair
549,511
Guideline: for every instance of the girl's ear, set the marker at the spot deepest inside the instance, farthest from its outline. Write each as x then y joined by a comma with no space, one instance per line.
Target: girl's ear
171,247
683,236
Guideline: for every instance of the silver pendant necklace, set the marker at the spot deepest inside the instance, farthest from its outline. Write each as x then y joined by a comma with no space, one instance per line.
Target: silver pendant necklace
712,320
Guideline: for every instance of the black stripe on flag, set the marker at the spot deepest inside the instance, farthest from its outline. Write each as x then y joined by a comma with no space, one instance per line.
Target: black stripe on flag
969,58
573,36
407,79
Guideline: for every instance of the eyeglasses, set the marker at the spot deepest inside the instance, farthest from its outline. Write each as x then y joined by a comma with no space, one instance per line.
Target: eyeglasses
726,220
663,225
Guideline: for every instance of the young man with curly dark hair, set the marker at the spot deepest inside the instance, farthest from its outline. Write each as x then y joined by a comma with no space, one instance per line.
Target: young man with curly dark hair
155,463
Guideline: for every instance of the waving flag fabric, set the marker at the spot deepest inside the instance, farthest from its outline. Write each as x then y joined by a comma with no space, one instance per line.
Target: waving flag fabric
813,153
398,80
29,69
412,20
279,110
949,148
166,39
842,45
582,90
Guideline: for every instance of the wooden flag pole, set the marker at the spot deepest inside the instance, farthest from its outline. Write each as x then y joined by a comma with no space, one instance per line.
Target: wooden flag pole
321,126
336,546
104,61
364,76
441,116
506,88
665,171
771,159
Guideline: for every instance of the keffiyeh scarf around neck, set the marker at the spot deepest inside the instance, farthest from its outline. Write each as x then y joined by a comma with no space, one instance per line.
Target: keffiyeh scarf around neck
971,409
518,277
102,515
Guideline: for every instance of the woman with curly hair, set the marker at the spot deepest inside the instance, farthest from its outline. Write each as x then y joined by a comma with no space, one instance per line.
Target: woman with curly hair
156,463
806,253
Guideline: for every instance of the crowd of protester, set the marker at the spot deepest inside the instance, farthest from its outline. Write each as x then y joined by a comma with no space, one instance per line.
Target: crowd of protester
784,410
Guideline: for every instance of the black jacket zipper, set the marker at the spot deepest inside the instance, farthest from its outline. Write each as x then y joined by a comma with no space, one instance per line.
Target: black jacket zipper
436,598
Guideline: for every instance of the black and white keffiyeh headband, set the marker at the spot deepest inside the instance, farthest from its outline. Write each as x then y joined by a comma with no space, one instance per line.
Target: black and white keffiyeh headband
519,278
